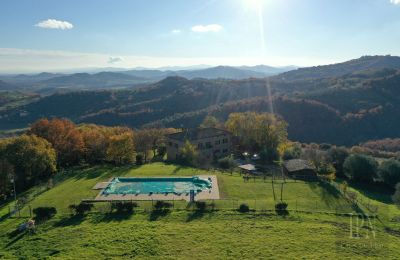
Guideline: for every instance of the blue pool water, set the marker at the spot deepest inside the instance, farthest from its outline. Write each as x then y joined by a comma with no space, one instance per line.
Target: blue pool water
157,185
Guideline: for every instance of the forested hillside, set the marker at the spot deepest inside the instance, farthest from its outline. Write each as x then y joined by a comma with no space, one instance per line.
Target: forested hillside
348,109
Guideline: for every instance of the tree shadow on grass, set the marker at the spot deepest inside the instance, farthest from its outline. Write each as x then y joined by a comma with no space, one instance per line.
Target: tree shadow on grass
328,194
158,213
374,191
16,235
197,214
103,171
70,221
111,217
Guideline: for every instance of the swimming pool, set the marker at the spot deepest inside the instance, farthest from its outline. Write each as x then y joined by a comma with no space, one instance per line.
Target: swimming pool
176,185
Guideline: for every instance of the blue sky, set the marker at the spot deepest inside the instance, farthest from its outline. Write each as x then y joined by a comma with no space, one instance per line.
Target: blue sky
38,35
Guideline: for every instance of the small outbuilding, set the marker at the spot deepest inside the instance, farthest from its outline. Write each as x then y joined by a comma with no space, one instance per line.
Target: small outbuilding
247,168
300,169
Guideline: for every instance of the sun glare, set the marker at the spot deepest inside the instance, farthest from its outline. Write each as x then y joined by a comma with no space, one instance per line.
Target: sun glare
254,4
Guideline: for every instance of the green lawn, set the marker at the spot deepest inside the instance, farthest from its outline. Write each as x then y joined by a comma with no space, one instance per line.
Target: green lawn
183,234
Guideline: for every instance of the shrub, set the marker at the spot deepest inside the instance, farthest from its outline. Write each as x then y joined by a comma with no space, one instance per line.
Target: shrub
389,172
360,168
281,208
124,207
243,208
81,208
44,213
139,159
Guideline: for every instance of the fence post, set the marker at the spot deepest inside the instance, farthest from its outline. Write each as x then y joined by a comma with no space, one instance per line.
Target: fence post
296,205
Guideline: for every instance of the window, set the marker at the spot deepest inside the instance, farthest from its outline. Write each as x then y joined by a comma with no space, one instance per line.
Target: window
225,150
176,145
218,142
200,146
208,145
225,140
217,151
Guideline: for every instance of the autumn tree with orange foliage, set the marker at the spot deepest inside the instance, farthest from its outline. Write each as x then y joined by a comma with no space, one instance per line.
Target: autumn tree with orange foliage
65,138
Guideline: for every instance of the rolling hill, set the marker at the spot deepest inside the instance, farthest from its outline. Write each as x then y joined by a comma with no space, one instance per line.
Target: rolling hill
341,69
49,83
356,107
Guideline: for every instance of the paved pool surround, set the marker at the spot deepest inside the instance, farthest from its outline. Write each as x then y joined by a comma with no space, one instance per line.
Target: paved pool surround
208,194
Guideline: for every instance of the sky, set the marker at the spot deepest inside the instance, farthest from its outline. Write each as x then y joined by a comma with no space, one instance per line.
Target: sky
55,35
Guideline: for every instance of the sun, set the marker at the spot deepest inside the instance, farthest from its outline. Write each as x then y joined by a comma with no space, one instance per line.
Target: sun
254,4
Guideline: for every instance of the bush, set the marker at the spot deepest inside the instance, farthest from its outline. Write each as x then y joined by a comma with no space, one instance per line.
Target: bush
389,172
44,213
139,159
124,207
81,208
281,208
243,208
359,167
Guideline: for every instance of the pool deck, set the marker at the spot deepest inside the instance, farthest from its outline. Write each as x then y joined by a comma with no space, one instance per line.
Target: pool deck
212,194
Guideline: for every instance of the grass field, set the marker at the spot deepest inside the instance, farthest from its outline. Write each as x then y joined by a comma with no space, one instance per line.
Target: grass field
185,234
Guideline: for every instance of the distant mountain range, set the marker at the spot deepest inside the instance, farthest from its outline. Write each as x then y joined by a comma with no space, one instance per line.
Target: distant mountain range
341,69
48,83
344,104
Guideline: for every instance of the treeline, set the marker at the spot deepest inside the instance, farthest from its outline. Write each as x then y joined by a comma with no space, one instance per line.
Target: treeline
344,110
51,144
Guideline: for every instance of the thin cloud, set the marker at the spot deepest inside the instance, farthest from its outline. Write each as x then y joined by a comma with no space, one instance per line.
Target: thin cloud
113,60
55,24
395,2
176,31
207,28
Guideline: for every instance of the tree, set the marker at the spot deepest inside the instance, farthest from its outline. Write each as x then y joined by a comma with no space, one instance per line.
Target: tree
152,139
292,152
389,172
337,156
396,195
6,175
96,140
33,159
227,163
188,153
64,136
144,142
210,121
359,167
259,132
121,149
